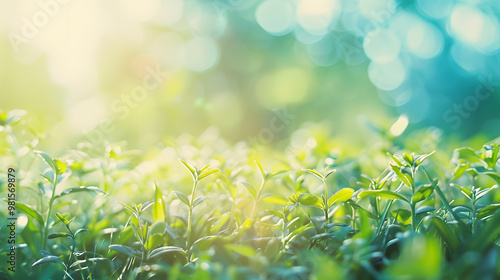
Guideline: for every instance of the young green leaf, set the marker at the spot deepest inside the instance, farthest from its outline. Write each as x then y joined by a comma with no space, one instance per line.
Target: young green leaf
250,189
58,235
159,206
165,250
48,159
80,189
80,230
340,196
63,219
420,159
30,211
146,206
275,200
60,166
314,172
422,193
446,233
395,160
125,250
382,194
48,259
199,200
406,179
190,168
182,197
134,211
262,172
207,173
310,200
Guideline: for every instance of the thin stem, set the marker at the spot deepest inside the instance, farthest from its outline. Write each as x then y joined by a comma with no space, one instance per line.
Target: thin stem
190,217
257,198
51,202
413,204
325,209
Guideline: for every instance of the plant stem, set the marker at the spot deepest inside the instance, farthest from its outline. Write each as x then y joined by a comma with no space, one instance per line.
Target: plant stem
325,209
257,198
413,204
51,202
190,217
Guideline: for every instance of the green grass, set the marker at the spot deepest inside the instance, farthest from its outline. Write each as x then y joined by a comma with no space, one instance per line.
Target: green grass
391,210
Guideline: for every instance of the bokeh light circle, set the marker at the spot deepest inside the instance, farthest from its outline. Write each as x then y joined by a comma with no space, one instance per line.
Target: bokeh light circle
381,45
275,16
424,40
471,26
387,76
201,54
317,16
435,8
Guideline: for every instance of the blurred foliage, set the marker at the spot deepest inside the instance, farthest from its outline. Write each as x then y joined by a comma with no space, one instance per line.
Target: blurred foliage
236,64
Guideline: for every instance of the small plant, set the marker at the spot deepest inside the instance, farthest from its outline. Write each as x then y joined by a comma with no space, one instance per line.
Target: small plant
191,203
325,202
76,261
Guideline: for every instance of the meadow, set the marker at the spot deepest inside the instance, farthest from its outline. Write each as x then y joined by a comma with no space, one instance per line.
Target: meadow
413,205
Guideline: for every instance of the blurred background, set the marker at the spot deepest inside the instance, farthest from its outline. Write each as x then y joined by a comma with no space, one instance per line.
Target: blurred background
143,70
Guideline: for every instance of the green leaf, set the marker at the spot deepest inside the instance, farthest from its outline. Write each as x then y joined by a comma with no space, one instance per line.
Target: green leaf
406,179
80,231
328,173
48,159
275,200
165,250
467,154
382,194
491,155
459,170
58,235
424,209
465,191
199,200
446,233
250,189
340,196
403,216
422,193
60,166
208,173
296,232
146,206
30,211
244,250
408,158
80,189
125,250
190,168
421,158
488,210
63,219
159,206
182,197
154,241
310,200
485,191
48,259
314,172
262,172
134,211
395,160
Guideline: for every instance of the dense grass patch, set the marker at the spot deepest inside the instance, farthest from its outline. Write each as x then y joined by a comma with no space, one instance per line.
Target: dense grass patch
399,208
